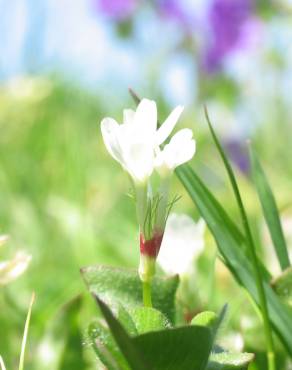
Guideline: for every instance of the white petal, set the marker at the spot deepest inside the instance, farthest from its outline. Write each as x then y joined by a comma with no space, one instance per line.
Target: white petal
129,115
139,160
180,149
146,116
182,135
182,243
168,125
159,158
137,152
10,270
110,130
3,239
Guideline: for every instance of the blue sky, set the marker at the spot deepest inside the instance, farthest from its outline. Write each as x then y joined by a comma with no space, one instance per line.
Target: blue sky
81,45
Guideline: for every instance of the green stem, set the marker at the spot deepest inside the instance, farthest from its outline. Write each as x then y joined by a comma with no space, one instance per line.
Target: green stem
252,251
147,294
271,361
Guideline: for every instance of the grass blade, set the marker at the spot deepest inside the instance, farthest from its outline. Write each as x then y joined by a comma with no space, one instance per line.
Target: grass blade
251,247
270,210
24,339
230,244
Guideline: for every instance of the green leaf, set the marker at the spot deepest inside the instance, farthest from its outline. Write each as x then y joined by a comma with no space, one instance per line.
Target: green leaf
182,348
123,340
148,319
230,361
105,347
210,319
126,320
122,286
282,285
142,319
270,210
230,243
262,299
206,318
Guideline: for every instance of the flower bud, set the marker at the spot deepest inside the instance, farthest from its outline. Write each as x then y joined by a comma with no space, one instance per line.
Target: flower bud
149,250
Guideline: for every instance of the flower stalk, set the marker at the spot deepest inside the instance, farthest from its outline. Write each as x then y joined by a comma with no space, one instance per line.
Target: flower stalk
147,300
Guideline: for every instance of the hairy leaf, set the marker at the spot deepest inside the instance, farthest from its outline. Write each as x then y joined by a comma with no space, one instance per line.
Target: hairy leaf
122,286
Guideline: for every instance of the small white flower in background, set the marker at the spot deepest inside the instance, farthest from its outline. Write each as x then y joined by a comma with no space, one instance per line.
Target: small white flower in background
28,89
3,239
233,341
13,268
182,243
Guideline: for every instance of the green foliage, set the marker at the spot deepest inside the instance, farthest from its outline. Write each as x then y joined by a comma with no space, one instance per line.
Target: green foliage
231,245
251,246
169,349
140,337
283,286
221,360
206,318
270,210
148,319
230,361
126,319
182,348
123,340
57,204
25,334
116,285
67,216
137,321
105,347
64,337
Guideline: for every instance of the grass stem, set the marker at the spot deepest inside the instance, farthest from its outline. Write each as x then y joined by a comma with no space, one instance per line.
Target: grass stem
24,339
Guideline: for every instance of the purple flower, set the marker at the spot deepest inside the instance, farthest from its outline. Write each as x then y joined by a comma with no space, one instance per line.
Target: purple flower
116,9
227,21
172,9
238,154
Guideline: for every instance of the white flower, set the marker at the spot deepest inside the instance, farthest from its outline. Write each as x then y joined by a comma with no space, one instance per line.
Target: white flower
183,241
11,269
133,143
3,239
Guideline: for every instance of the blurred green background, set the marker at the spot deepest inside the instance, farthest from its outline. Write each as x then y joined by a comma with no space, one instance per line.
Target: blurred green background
63,67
